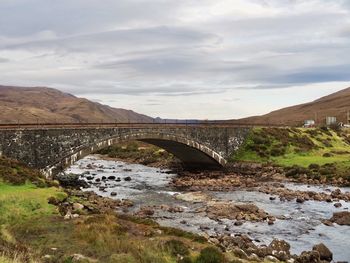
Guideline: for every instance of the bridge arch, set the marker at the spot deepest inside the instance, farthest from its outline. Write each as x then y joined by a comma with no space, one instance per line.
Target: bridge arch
193,154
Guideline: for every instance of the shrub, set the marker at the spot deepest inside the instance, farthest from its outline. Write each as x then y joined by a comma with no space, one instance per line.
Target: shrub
327,143
303,142
314,166
316,177
185,260
15,173
295,171
278,150
327,155
181,233
326,131
210,255
326,171
176,247
335,127
122,258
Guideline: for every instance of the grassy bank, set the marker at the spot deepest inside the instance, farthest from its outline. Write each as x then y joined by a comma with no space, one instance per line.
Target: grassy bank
32,230
139,152
323,150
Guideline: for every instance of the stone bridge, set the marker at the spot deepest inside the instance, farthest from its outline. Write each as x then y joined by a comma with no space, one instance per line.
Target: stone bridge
52,148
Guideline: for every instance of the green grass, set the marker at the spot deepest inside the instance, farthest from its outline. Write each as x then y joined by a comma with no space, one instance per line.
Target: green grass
22,202
311,158
297,147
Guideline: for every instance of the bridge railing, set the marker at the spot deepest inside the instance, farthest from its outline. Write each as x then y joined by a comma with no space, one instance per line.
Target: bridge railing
131,125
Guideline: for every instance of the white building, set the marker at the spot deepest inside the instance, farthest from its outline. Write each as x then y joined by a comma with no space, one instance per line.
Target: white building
331,121
309,123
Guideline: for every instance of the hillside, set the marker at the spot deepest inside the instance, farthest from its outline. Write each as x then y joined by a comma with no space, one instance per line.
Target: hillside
29,105
336,104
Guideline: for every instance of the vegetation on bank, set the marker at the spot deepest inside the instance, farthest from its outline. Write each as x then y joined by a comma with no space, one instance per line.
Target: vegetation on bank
32,229
316,152
139,152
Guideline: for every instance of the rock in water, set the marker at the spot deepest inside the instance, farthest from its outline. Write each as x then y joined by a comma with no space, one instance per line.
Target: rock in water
71,180
341,218
217,210
337,205
325,253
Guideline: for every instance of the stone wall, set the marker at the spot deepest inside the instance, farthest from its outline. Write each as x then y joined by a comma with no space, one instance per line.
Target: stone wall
45,148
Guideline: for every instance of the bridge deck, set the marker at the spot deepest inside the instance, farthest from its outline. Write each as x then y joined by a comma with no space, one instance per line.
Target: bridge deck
126,125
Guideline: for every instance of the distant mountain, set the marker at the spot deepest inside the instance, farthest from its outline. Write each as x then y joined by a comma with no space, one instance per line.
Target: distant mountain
44,105
177,121
334,105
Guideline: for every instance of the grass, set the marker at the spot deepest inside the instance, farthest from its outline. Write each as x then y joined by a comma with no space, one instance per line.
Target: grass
298,147
23,202
291,159
106,238
30,228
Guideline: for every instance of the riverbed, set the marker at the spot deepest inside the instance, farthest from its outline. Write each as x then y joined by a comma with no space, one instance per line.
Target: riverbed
148,186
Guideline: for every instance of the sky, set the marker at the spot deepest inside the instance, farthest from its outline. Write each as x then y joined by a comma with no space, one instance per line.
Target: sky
203,59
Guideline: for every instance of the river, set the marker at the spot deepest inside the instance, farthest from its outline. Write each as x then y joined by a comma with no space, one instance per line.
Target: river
150,186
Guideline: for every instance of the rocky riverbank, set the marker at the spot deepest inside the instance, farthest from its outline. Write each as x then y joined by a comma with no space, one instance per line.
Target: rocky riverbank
251,176
241,246
181,207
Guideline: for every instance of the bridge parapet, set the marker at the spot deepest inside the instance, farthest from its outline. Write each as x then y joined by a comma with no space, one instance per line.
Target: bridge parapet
52,149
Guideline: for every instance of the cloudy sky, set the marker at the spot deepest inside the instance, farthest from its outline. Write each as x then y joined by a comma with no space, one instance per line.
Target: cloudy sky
215,59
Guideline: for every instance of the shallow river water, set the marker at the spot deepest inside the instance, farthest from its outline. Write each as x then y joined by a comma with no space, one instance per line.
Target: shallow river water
149,186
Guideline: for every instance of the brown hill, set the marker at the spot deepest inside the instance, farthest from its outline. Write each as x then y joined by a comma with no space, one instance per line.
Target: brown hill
44,105
335,105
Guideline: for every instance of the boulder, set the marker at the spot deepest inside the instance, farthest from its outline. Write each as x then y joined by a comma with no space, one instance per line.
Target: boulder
193,197
308,257
145,212
325,253
77,206
240,253
243,242
270,258
341,218
71,180
238,223
337,205
280,249
327,223
235,211
300,200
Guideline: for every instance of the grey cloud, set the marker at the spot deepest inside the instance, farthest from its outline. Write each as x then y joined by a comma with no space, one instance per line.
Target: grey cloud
120,40
66,17
320,74
4,60
170,49
171,91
